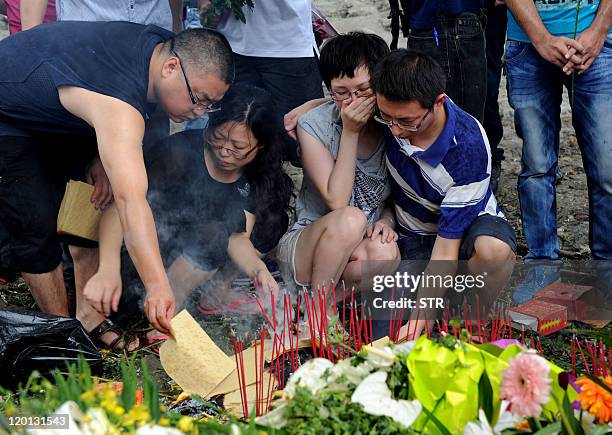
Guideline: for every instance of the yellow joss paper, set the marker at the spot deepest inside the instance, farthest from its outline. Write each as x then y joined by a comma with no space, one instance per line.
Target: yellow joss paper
192,359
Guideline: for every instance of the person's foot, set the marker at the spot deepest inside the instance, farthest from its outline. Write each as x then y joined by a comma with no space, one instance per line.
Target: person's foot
537,277
107,333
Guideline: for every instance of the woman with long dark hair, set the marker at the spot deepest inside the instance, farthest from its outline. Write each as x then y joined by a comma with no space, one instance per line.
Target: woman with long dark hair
217,194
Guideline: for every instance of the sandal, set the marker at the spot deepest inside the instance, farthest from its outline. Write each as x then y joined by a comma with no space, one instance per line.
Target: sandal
108,326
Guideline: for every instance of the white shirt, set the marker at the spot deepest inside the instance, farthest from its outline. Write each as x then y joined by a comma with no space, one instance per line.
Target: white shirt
136,11
274,28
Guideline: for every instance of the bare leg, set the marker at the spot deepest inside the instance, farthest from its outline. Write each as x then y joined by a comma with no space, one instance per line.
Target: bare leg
383,257
185,277
325,246
492,256
49,291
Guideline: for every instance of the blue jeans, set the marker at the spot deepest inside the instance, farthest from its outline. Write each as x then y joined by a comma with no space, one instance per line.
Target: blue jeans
535,91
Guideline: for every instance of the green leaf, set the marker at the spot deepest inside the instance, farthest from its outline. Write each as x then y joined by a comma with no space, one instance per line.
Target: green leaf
566,408
485,396
550,429
435,421
600,430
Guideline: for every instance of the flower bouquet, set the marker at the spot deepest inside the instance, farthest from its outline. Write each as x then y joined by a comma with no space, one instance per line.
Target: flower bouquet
443,386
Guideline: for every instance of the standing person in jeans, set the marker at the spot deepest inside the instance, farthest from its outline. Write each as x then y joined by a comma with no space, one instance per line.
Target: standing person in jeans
452,32
274,50
495,38
550,46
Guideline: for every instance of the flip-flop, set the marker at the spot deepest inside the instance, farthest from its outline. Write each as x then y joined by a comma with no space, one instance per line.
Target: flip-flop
108,326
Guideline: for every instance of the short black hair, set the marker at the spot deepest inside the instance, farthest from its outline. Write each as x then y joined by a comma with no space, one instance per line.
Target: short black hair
204,51
408,75
343,54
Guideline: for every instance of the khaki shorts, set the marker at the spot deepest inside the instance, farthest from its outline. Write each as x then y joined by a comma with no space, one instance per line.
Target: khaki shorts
285,255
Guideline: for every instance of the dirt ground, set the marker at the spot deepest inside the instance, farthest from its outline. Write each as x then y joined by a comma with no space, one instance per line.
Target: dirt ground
371,16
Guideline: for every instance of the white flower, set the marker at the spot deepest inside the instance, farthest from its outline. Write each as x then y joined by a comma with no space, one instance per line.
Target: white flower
505,420
374,396
98,423
275,418
308,376
352,374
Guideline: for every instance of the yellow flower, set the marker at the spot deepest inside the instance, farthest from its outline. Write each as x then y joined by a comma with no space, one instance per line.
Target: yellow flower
595,399
164,421
118,411
88,397
137,415
185,424
10,411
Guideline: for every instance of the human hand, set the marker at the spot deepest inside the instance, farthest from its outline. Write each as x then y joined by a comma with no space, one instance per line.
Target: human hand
264,280
500,3
206,18
103,291
558,50
357,112
383,228
103,192
593,41
159,308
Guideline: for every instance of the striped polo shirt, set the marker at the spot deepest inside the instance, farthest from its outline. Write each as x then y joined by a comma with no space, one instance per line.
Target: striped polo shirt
443,189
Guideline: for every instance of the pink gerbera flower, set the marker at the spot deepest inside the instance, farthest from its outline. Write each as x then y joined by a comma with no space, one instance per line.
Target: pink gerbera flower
526,384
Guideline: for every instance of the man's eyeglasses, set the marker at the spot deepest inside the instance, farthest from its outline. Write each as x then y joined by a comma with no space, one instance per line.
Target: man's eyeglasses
207,107
237,154
345,95
408,127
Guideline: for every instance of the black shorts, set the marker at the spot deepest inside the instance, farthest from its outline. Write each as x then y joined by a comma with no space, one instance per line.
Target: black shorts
33,176
420,247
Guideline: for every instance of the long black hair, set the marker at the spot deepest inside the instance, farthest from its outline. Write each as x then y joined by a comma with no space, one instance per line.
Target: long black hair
255,108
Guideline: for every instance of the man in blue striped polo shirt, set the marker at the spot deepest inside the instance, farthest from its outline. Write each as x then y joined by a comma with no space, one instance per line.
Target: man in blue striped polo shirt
440,163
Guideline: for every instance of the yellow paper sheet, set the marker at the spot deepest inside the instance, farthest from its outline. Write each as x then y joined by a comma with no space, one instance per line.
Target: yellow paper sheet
192,359
77,215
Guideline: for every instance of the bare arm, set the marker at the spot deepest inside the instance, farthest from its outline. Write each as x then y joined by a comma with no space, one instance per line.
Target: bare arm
333,179
245,256
119,130
291,118
110,240
176,7
443,262
103,290
555,49
593,38
32,13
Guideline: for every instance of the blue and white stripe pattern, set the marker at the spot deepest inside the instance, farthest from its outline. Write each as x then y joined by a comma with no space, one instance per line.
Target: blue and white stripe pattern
443,189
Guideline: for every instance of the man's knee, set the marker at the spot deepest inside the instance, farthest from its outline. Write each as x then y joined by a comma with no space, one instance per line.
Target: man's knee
491,250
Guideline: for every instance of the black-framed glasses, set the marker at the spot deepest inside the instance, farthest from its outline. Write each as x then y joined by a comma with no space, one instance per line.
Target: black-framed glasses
345,95
207,107
408,127
238,155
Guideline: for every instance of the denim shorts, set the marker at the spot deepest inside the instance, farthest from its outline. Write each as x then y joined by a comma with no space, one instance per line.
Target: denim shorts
420,247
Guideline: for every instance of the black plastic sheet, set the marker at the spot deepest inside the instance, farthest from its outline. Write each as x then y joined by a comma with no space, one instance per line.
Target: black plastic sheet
31,340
